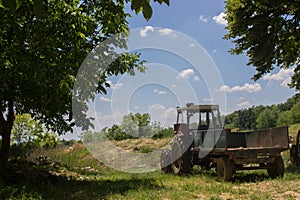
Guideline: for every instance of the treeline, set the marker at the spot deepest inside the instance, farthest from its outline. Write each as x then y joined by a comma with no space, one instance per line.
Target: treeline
132,126
260,117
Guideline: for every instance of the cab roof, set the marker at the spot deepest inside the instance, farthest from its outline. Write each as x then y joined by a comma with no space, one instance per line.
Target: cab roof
197,108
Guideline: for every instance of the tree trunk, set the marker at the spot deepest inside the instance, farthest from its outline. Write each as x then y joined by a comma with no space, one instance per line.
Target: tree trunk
6,125
4,151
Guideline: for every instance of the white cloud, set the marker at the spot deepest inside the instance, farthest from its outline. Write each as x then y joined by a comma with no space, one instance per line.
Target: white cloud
246,87
186,73
215,51
156,91
208,99
242,98
196,78
192,45
284,75
166,116
165,31
203,19
157,113
114,86
244,104
106,120
171,114
117,86
171,111
105,99
173,86
219,19
144,32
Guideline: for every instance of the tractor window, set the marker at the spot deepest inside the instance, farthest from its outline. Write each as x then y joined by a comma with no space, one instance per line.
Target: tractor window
216,119
194,120
203,118
181,117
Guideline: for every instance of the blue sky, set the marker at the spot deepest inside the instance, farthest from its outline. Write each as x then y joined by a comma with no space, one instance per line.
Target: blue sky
188,61
202,21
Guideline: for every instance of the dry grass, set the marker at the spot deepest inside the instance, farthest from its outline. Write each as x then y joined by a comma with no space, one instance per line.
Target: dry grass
137,144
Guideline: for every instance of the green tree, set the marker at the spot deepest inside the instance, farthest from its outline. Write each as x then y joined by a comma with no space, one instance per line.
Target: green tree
232,120
116,133
268,31
136,125
26,129
267,118
28,134
295,111
284,118
246,119
42,45
290,102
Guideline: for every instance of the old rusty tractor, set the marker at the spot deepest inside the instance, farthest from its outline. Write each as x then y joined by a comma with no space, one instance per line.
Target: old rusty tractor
200,140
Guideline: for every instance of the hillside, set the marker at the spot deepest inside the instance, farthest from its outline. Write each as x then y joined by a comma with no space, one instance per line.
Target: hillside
261,117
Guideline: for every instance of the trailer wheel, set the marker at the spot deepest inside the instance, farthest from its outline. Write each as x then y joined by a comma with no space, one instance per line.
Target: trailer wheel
224,169
181,156
165,161
277,168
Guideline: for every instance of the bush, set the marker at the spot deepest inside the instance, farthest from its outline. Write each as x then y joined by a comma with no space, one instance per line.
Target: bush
146,149
164,133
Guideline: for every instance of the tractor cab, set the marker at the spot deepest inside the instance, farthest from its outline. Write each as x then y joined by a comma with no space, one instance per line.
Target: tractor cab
197,117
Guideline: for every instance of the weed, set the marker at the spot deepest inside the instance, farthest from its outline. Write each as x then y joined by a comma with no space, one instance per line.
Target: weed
146,149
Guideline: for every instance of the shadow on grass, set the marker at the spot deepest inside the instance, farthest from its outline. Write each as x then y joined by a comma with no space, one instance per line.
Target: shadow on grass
39,183
249,177
293,169
238,177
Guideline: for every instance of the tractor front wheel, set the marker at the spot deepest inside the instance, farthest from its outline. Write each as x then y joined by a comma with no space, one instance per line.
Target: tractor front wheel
181,156
165,161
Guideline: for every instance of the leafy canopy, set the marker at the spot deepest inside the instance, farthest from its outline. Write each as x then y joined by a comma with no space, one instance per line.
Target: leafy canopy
136,5
268,31
43,44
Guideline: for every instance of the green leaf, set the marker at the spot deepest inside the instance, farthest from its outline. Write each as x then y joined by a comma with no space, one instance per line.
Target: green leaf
81,35
147,11
18,4
136,6
10,4
163,1
38,8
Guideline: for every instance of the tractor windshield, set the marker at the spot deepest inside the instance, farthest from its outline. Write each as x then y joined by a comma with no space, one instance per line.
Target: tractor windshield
203,119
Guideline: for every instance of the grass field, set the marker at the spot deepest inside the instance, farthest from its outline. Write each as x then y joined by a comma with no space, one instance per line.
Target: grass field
293,129
71,172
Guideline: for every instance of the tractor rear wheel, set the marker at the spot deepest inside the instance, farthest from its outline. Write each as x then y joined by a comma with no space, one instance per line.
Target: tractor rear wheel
224,169
181,156
276,168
